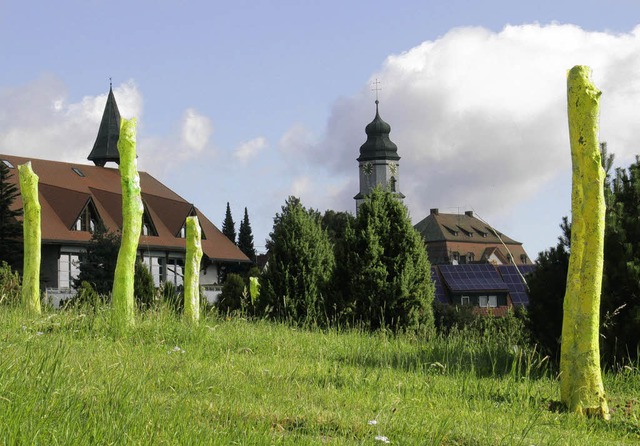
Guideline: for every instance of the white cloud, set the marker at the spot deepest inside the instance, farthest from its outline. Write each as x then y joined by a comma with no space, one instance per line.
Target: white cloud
196,130
36,119
480,117
248,150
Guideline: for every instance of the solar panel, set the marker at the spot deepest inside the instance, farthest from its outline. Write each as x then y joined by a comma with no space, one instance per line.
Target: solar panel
472,277
517,287
440,296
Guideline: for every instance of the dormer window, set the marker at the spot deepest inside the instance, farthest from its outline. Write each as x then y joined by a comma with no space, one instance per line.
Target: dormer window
8,164
88,219
148,228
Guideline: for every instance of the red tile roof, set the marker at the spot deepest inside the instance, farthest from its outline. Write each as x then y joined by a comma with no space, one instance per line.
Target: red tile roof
64,194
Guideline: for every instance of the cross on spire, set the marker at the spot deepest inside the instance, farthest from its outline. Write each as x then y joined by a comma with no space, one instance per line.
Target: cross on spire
376,88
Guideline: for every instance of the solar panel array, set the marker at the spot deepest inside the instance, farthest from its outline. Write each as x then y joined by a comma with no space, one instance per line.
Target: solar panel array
513,279
440,295
472,277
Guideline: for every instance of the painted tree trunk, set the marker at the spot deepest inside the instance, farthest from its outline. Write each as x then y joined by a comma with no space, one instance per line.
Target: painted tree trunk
581,387
32,238
192,271
254,289
132,210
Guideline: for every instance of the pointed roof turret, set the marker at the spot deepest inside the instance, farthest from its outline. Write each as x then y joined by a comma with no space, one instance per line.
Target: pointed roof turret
378,145
105,148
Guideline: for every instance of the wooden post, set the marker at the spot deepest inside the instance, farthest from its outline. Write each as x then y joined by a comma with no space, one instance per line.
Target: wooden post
581,387
32,238
192,271
132,210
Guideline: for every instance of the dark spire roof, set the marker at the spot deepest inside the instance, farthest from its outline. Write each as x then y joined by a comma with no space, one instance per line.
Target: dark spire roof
105,148
378,145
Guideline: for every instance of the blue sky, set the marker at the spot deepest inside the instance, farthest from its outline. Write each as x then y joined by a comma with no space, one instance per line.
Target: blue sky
251,101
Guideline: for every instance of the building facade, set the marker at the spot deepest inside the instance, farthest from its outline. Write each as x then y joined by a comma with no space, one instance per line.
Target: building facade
76,198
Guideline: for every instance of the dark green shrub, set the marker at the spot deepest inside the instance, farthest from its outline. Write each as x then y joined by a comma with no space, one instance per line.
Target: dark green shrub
144,289
10,289
301,262
234,296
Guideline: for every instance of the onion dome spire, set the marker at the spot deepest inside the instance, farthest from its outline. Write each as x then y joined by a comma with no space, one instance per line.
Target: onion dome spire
378,145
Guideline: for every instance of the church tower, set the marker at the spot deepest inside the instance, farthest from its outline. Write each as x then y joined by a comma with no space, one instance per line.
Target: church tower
105,148
378,160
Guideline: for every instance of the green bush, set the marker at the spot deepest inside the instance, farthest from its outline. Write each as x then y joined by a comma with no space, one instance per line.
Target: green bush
10,290
234,296
144,289
389,273
85,295
301,263
171,296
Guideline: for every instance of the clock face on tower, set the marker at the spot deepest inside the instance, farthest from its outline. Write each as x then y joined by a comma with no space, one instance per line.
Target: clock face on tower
393,168
367,168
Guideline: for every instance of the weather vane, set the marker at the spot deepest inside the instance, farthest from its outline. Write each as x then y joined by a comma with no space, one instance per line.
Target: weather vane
376,87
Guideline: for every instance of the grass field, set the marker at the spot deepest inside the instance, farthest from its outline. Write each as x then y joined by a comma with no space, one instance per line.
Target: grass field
66,379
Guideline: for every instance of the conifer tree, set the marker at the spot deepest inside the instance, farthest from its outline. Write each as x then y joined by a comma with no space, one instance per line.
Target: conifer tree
10,227
228,226
245,238
301,264
390,275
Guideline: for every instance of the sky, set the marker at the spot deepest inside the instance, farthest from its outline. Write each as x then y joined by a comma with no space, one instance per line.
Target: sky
249,102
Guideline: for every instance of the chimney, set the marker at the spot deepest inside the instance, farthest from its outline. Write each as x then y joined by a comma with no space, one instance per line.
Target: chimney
434,211
468,213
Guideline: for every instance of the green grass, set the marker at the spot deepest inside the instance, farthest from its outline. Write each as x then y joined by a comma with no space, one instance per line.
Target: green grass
66,379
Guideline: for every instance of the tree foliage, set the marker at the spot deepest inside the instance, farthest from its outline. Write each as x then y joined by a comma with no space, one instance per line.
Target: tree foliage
98,262
620,303
547,285
389,273
245,238
10,227
301,264
228,226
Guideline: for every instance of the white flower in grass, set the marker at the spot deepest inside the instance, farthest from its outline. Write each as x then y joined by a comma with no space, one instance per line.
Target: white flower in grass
176,349
372,422
39,333
382,438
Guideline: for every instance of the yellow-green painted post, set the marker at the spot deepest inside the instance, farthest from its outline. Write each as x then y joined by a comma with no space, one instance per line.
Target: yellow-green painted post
32,238
192,270
132,210
581,388
254,289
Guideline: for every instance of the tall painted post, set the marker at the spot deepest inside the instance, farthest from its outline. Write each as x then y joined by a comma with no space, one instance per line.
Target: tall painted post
581,387
192,270
32,238
132,210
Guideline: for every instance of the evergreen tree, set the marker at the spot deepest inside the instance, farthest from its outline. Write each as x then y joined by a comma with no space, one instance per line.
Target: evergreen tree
10,227
300,267
228,226
547,286
245,238
98,262
620,303
339,305
390,276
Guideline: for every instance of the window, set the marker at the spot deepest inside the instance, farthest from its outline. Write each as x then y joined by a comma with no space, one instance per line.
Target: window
148,228
68,269
78,172
175,271
470,257
464,300
393,184
488,301
8,164
524,259
155,266
87,220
